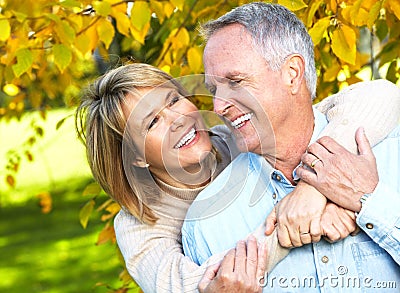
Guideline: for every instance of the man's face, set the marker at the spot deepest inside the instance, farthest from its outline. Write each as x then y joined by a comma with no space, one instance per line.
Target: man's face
249,95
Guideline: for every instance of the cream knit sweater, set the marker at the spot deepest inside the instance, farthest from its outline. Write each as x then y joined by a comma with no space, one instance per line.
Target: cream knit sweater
153,254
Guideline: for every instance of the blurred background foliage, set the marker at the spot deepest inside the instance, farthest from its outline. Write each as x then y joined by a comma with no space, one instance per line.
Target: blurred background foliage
50,50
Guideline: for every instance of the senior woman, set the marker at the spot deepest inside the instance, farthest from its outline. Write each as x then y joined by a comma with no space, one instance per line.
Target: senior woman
149,149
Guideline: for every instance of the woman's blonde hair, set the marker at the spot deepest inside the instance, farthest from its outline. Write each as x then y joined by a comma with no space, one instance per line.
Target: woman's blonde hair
100,124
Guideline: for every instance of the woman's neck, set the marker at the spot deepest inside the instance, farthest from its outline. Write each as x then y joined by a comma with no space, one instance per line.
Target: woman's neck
192,177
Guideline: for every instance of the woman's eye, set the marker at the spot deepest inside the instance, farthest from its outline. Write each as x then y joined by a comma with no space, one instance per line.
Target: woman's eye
153,122
174,100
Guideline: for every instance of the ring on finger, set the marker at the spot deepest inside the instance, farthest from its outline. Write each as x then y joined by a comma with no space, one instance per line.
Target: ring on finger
313,163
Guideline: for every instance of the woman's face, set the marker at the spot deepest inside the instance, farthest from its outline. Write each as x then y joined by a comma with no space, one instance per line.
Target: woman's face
168,130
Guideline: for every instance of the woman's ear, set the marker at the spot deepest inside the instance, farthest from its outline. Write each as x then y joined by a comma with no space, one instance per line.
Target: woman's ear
294,72
140,162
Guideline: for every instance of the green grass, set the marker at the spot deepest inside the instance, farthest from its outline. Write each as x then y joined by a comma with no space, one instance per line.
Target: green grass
50,252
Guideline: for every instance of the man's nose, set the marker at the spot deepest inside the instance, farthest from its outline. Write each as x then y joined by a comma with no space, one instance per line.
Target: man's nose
221,105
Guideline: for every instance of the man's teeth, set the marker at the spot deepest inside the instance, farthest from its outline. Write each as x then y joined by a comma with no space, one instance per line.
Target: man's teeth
186,139
239,122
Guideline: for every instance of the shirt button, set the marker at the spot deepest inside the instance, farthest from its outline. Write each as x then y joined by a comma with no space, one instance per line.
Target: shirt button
274,196
324,259
369,226
278,177
345,122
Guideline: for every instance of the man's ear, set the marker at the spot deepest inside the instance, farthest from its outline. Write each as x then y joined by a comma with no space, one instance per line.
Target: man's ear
294,72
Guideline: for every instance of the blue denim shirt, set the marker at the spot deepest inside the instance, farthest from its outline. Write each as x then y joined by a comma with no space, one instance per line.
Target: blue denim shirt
243,195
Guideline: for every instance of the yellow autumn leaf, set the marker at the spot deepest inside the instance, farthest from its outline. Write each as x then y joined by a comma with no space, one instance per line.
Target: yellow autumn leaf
10,180
313,8
24,62
107,234
178,3
180,38
85,213
65,32
62,56
140,14
395,7
123,23
106,32
82,43
102,8
93,36
140,35
319,29
158,9
332,72
373,14
194,58
45,202
344,44
11,89
168,9
293,5
5,29
92,189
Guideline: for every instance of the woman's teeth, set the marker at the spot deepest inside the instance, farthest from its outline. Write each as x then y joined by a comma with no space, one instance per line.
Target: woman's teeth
239,122
186,139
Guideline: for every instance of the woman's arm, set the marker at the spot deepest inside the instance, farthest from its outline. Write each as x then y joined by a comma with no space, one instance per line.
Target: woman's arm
375,105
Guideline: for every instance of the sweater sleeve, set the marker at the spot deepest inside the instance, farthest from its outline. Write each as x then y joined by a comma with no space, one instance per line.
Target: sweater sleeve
375,105
154,257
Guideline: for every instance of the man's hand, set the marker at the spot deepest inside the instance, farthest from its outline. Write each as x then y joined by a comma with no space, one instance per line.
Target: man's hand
239,271
298,217
338,174
337,223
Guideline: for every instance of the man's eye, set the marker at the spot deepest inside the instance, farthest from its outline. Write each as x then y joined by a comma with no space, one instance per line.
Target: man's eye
234,82
153,122
212,89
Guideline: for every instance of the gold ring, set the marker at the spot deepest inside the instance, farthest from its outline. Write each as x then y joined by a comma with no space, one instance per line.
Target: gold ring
313,163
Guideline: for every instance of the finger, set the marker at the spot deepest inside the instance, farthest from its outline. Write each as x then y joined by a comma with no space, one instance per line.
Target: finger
283,236
349,220
307,176
318,150
262,259
304,234
331,233
313,162
208,276
364,147
330,144
294,235
240,257
315,230
270,222
228,263
252,256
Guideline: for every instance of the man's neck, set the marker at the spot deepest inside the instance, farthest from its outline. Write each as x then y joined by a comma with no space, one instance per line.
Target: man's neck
290,146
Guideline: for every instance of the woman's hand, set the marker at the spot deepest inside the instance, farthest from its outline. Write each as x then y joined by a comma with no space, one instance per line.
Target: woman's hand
239,271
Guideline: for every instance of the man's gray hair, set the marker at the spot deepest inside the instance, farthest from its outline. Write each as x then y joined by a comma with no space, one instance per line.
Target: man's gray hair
276,32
